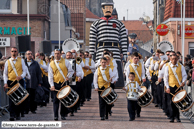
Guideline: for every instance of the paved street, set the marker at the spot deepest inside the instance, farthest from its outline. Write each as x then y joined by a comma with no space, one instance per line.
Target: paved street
88,117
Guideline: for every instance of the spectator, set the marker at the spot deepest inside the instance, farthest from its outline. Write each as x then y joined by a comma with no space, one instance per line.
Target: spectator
132,46
179,56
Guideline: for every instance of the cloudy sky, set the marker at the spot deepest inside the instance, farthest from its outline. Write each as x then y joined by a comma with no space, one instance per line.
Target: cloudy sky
136,8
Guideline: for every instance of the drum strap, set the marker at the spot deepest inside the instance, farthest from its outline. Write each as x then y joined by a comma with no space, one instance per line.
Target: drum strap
176,76
136,71
61,72
103,74
12,65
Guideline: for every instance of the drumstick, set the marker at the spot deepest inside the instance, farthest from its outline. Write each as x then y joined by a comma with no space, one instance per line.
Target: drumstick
56,90
100,90
173,95
108,81
65,80
13,82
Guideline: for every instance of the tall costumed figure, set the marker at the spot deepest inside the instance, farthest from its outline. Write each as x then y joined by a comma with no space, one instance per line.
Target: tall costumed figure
109,33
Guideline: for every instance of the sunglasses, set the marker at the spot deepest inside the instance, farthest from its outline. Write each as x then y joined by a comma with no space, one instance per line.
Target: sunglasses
57,49
168,54
13,51
86,55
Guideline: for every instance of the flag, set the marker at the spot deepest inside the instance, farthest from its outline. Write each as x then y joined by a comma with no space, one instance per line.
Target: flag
179,1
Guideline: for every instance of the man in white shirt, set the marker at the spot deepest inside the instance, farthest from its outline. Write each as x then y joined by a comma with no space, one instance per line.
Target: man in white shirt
10,75
56,76
174,77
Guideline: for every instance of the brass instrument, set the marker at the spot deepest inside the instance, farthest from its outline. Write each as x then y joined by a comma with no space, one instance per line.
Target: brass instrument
78,60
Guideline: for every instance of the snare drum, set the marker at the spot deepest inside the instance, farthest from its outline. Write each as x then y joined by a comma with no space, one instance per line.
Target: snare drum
109,95
17,94
145,98
67,96
182,100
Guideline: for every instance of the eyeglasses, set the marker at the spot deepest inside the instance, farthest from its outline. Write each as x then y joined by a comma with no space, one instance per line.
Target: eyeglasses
57,49
13,51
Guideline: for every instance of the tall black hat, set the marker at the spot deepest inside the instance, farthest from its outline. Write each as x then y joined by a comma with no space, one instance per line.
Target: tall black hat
107,4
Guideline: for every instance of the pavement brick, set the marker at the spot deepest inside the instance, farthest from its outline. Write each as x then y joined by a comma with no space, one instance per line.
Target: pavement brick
88,117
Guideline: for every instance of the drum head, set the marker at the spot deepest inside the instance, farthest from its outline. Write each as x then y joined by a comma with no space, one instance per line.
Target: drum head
13,89
106,92
63,92
144,89
179,96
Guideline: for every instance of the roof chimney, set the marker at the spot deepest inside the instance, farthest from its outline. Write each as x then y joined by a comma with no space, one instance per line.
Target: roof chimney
123,18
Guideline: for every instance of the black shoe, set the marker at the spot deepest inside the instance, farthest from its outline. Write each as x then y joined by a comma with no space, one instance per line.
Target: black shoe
63,118
18,118
106,116
171,120
156,105
78,108
72,114
131,119
11,119
110,112
102,118
33,112
88,99
138,115
22,115
178,120
56,118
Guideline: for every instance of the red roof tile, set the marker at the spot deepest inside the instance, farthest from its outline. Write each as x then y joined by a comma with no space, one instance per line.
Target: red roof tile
89,14
136,25
139,28
173,9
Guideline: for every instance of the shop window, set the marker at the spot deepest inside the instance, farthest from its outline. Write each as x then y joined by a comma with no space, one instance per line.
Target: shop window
5,6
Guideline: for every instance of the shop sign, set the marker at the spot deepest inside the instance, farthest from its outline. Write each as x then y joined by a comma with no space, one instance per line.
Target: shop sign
14,30
189,31
4,42
162,29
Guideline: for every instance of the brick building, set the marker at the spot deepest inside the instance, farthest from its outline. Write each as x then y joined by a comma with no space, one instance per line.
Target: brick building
13,22
172,18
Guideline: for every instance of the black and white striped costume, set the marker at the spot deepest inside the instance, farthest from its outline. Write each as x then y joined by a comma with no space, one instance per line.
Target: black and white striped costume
108,30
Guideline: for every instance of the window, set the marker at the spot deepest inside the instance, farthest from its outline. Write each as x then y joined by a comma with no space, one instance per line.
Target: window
5,6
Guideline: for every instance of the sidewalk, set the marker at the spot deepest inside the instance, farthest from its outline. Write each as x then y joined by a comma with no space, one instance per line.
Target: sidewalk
88,117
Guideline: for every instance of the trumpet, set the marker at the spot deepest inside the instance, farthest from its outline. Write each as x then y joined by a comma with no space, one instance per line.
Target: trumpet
78,60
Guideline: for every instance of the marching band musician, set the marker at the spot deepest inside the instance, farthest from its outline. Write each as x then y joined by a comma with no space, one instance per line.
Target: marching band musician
159,87
174,77
44,69
15,69
132,88
89,66
57,74
77,78
103,76
138,68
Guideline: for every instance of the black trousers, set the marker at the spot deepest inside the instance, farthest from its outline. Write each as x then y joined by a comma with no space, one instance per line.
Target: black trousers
30,104
160,91
131,106
89,80
56,102
103,106
83,92
173,110
78,85
15,110
46,85
154,89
